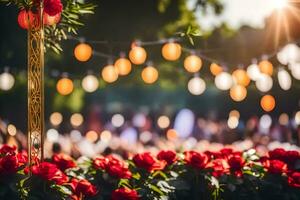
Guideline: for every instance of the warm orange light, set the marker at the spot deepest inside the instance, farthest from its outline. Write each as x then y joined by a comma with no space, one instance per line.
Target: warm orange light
192,63
241,77
172,134
215,69
266,67
123,66
83,52
149,75
109,74
137,55
171,51
64,86
267,103
238,93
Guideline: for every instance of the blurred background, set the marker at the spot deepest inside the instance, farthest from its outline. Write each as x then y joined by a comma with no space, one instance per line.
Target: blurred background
234,34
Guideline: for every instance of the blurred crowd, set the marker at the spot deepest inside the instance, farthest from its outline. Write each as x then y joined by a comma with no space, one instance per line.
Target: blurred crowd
92,135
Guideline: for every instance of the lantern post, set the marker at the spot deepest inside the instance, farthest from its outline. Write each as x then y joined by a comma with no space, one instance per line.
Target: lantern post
36,86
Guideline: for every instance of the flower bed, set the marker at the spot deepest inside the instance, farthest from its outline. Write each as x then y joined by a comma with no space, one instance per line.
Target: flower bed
168,175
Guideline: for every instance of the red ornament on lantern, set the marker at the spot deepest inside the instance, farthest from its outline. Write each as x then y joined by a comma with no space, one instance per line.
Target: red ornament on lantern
25,18
51,20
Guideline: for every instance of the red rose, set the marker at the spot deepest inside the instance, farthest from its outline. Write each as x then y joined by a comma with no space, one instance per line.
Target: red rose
168,156
294,179
100,163
219,166
147,161
83,187
124,194
22,158
63,161
291,157
236,162
8,164
117,168
275,166
49,172
195,159
53,7
277,154
6,149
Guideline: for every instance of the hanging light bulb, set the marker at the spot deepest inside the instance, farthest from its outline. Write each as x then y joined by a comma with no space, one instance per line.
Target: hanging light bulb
7,81
289,54
238,93
83,52
149,74
215,69
253,72
240,77
137,55
223,81
64,86
192,63
196,86
266,67
284,79
264,83
109,74
90,83
267,103
123,66
171,51
295,69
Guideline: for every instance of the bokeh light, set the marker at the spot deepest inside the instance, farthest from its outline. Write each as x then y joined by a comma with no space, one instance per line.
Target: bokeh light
109,74
171,51
238,93
64,86
196,86
283,119
163,122
11,130
52,135
90,83
149,75
223,81
172,134
137,55
91,136
123,66
192,63
105,136
267,103
7,81
56,118
117,120
83,52
76,119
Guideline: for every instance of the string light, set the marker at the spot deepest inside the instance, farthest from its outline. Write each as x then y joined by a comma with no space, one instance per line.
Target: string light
56,118
297,118
12,130
267,103
264,83
172,134
92,136
83,52
241,77
76,119
7,81
234,113
295,69
90,83
233,122
64,86
109,74
163,122
171,51
253,72
284,79
137,55
196,86
266,67
192,63
215,69
123,66
105,136
223,81
149,74
238,93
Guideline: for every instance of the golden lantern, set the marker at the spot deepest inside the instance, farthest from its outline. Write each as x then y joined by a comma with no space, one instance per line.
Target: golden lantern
137,55
215,69
241,77
149,75
192,63
171,51
238,93
64,86
123,66
266,67
267,103
109,73
83,52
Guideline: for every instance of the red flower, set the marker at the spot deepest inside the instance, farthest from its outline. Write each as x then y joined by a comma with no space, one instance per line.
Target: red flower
147,161
83,187
100,163
8,164
22,158
195,159
277,154
49,172
291,157
124,194
63,161
236,162
219,166
275,166
294,179
168,156
53,7
117,168
6,149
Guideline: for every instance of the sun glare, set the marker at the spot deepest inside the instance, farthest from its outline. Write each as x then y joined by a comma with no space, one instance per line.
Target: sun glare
279,4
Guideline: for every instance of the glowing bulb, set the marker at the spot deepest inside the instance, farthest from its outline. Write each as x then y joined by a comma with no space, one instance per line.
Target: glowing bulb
264,83
192,63
297,118
233,122
241,77
171,51
172,134
7,81
123,66
117,120
139,120
295,69
12,130
109,74
267,103
64,86
92,136
223,81
56,118
253,72
83,52
265,121
283,119
90,83
215,69
149,75
234,113
76,119
137,55
163,122
196,86
238,93
266,67
105,136
284,79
